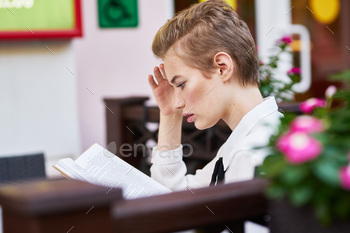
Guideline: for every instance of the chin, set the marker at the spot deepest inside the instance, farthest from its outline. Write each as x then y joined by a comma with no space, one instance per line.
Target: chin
204,126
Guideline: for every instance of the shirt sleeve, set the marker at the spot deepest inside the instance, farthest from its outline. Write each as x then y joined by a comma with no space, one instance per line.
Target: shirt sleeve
169,169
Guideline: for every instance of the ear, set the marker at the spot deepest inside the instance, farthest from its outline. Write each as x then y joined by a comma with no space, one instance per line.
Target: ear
225,65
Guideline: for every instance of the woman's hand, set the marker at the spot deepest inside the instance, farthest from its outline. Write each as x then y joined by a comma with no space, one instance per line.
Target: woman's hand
169,134
163,92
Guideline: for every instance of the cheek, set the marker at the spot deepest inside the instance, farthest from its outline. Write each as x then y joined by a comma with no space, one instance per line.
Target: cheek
193,95
191,99
198,93
213,107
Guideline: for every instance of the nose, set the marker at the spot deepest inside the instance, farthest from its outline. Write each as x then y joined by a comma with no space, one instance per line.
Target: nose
179,101
180,104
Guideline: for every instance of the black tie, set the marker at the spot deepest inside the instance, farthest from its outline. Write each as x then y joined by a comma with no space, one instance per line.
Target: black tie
218,174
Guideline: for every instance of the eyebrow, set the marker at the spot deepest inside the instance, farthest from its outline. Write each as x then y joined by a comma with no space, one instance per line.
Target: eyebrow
174,78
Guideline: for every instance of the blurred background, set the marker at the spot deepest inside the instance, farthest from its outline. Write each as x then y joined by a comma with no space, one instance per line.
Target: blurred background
58,61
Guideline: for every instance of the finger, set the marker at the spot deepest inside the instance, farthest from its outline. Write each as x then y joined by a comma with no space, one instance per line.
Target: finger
161,66
158,75
151,82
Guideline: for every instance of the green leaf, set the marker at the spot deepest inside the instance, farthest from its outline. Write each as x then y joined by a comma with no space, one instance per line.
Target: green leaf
322,213
344,75
336,152
273,166
293,175
327,171
301,195
342,205
275,192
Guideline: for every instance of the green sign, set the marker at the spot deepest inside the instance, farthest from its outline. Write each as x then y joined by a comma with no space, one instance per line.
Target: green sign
17,15
117,13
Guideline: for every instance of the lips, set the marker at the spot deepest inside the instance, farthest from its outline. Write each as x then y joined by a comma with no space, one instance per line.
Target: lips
190,117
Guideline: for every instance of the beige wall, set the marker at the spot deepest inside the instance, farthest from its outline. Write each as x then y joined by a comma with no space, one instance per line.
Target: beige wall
114,63
38,105
45,85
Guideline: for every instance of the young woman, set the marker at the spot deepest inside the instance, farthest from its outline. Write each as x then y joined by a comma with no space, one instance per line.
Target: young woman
210,72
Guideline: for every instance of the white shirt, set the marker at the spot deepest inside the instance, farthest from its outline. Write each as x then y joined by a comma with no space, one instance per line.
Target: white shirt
240,157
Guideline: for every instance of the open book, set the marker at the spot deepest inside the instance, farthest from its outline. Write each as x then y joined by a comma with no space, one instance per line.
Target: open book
99,166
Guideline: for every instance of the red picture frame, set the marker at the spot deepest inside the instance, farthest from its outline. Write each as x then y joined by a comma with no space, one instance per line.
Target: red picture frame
76,31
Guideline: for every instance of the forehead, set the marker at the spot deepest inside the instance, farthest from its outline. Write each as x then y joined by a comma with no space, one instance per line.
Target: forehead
172,56
173,64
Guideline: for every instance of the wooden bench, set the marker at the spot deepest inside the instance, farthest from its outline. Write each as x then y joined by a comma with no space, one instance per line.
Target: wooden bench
74,206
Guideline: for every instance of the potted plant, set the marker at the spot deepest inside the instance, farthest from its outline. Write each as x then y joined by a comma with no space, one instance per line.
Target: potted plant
308,166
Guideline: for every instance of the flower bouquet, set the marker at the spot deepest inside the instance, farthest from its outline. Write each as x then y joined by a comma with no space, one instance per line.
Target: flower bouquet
308,163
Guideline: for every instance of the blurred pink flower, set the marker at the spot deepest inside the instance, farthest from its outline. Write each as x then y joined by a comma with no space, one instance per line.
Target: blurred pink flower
344,175
330,91
307,124
286,40
299,147
309,105
294,70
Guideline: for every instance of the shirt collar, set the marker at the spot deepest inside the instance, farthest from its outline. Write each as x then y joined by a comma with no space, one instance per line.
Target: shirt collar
247,123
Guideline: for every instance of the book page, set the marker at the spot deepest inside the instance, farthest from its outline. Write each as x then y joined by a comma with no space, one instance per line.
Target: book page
70,169
110,170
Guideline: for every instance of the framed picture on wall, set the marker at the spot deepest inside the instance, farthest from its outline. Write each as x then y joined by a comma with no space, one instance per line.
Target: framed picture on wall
26,19
117,13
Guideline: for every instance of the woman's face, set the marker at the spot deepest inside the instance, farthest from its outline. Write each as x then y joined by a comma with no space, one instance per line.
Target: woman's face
198,96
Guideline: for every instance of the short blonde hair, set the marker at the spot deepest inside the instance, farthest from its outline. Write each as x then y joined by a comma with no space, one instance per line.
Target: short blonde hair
205,29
